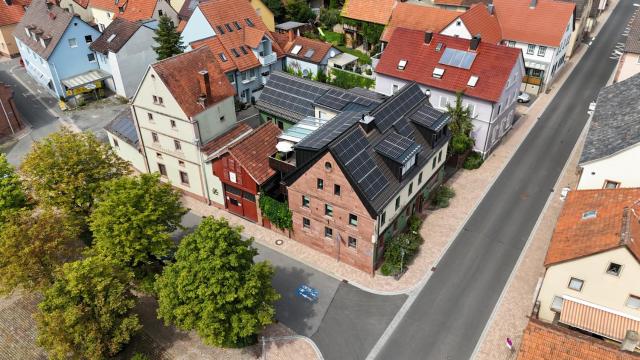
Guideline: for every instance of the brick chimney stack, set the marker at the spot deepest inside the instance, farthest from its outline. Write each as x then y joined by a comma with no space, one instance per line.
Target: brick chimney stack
475,42
205,87
291,34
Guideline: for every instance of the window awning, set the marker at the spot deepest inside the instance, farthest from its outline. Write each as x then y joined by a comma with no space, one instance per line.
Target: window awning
597,319
85,78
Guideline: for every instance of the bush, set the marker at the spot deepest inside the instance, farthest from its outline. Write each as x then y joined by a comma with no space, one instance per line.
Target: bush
415,223
276,212
329,17
347,80
473,161
400,251
139,356
442,197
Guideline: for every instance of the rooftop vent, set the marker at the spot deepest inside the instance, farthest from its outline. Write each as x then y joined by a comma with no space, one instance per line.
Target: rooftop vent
475,42
439,46
402,64
591,214
438,73
473,80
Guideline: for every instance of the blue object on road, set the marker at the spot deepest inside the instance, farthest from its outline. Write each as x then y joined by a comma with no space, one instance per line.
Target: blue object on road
308,293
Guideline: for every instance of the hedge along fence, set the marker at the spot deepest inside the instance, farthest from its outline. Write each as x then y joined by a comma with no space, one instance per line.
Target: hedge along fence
348,80
401,250
276,212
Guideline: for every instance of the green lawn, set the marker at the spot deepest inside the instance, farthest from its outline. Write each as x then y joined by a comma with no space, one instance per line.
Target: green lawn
337,40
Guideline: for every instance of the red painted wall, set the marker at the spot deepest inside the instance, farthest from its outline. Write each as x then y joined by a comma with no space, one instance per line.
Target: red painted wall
222,168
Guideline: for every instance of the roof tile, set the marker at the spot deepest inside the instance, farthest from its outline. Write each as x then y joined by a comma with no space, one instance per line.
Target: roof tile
374,11
253,151
51,22
492,64
547,341
226,139
10,14
479,21
575,237
418,17
119,31
544,24
180,75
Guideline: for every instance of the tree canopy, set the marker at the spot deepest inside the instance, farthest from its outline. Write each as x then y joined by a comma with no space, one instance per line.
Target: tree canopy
215,288
87,313
66,170
460,126
33,245
276,8
299,10
12,194
168,39
133,220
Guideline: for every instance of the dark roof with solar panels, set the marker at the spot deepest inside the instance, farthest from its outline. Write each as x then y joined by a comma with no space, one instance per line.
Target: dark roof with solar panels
396,136
293,98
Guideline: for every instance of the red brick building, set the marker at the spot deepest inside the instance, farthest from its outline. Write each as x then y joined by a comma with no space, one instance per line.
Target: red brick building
362,175
244,170
10,121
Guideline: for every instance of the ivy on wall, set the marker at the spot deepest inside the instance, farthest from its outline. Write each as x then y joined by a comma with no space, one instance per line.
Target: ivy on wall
276,212
348,80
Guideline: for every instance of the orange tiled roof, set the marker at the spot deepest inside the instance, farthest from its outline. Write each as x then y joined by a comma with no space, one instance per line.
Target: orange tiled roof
373,11
133,10
253,151
575,237
180,75
546,341
226,139
10,14
320,48
542,25
219,14
479,21
418,17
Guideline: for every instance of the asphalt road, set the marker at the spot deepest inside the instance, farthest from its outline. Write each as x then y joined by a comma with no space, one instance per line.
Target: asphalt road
448,316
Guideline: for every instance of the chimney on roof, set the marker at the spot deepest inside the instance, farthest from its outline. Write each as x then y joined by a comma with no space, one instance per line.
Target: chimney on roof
630,341
291,34
428,36
205,87
475,42
490,8
532,4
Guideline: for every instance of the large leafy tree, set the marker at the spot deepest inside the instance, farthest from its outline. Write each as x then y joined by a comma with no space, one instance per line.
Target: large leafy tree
299,10
276,8
133,221
460,126
33,245
66,170
215,288
88,312
12,195
168,39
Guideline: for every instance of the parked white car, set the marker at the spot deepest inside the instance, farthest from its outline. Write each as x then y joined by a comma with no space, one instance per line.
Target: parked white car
523,98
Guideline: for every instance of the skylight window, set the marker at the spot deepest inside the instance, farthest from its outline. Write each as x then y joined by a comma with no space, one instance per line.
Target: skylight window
235,52
237,24
296,49
249,22
223,57
113,36
473,80
309,53
438,73
402,64
589,214
244,49
220,30
229,29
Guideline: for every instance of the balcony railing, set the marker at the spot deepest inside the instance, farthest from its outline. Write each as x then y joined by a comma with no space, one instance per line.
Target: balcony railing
268,59
283,164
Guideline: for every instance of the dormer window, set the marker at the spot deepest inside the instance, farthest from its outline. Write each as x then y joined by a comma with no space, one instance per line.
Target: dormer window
296,49
228,27
402,64
249,22
473,80
220,30
400,150
223,57
438,73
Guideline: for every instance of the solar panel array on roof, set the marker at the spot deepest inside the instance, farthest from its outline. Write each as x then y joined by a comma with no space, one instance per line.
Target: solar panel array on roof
338,99
395,107
457,58
429,117
404,128
331,130
352,151
291,94
397,147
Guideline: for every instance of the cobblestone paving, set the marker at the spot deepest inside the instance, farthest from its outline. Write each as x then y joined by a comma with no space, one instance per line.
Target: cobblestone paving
18,328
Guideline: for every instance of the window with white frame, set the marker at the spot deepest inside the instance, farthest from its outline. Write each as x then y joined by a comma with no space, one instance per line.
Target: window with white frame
542,50
444,101
614,269
633,302
576,284
556,304
73,42
531,49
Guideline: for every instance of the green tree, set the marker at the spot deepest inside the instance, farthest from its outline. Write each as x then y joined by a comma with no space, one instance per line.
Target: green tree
12,195
66,170
299,10
88,312
329,17
168,39
276,8
33,245
460,126
133,221
215,288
